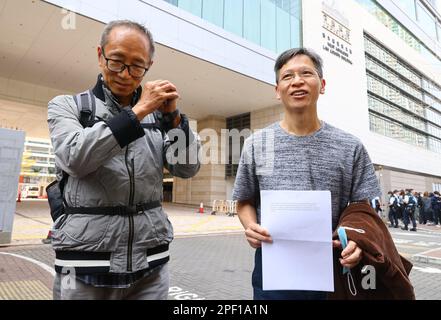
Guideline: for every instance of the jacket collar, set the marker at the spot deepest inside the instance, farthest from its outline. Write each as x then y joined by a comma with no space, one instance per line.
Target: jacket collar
98,91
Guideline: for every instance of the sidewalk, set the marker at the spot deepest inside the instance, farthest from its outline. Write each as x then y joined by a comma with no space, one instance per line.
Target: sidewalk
432,256
187,221
23,278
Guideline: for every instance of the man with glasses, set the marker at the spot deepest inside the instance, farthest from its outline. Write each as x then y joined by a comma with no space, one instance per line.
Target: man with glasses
311,155
112,242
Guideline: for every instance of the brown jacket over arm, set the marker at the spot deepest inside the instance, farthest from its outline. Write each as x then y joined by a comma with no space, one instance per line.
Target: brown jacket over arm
379,251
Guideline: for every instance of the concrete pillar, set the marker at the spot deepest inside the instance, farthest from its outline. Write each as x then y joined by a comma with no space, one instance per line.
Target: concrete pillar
209,184
11,151
265,117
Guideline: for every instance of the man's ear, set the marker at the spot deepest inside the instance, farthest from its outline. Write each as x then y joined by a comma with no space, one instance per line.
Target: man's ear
99,52
322,87
277,92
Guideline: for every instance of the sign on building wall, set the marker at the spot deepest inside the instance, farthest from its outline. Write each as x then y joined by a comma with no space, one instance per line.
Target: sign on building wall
336,33
11,150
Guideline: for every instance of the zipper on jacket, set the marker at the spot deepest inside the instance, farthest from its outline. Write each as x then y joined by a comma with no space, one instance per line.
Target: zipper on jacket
131,222
132,183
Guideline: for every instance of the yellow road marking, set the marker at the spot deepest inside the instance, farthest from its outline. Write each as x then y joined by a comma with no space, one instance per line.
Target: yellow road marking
29,227
30,237
24,290
201,223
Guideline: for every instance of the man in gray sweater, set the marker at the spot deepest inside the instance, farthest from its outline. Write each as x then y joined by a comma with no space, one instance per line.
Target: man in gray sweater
307,154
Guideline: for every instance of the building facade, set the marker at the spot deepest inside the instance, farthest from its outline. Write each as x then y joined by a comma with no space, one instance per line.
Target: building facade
382,65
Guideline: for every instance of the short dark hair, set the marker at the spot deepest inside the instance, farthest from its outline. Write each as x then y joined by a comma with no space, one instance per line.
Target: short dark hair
291,53
128,24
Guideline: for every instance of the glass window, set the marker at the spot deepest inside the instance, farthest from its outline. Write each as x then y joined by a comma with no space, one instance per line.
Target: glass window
283,30
409,7
432,102
393,78
268,25
233,16
296,34
433,117
435,145
193,6
272,24
251,20
433,89
435,131
438,28
283,4
173,2
295,7
410,120
436,186
426,21
368,4
296,24
395,113
213,11
403,33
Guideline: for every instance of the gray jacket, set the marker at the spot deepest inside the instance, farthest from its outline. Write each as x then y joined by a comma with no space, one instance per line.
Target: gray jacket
116,162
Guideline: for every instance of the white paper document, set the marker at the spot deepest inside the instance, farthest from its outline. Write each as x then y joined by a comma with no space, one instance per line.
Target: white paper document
300,224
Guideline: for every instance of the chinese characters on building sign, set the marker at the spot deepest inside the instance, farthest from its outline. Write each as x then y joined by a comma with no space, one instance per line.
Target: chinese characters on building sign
336,38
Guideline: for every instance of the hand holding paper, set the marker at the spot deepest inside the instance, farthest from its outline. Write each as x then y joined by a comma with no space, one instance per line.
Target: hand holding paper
256,235
300,224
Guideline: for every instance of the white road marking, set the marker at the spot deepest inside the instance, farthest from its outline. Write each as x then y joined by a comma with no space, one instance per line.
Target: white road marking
416,234
178,293
402,241
427,270
417,243
40,264
429,251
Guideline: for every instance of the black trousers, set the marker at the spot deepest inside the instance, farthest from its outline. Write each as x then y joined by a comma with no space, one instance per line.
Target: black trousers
393,217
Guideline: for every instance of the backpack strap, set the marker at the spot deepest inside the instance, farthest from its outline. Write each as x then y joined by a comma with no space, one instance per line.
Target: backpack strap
63,182
87,107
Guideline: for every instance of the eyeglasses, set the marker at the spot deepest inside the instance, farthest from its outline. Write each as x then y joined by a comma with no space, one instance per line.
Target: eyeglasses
303,74
118,66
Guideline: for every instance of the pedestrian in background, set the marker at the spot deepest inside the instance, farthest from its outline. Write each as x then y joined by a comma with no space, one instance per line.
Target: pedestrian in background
410,204
394,208
376,205
401,196
426,209
418,211
436,208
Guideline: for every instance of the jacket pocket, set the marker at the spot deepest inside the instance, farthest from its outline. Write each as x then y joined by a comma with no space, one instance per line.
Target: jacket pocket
154,228
59,223
86,229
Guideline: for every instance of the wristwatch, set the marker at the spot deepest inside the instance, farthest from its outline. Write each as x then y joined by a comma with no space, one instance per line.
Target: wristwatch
170,116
